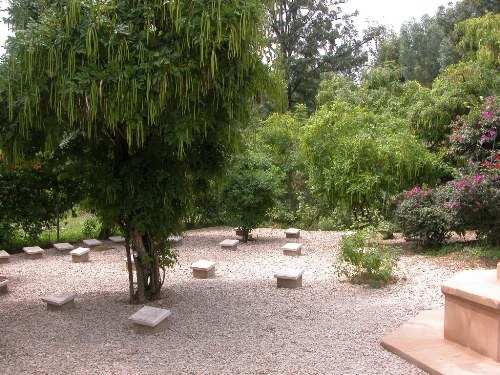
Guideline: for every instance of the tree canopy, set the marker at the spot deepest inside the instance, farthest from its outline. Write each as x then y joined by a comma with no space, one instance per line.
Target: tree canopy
146,97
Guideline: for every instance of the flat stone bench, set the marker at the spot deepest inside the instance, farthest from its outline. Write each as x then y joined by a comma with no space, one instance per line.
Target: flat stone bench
229,244
63,246
150,320
60,301
3,285
176,240
80,255
117,239
292,248
292,233
33,252
203,269
289,278
4,257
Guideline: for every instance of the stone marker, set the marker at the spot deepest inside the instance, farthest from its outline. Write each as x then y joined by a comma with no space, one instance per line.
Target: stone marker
292,233
80,255
117,239
64,246
289,277
131,260
229,244
33,252
176,240
150,320
4,257
92,242
203,269
292,248
3,285
60,301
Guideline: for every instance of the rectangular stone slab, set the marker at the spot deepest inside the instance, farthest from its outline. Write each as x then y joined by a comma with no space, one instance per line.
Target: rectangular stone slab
4,257
150,316
292,248
92,242
229,243
33,252
289,273
3,285
60,301
117,239
80,255
292,233
64,246
203,265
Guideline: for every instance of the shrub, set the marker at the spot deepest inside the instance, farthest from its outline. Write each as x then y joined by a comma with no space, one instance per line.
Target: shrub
363,259
421,217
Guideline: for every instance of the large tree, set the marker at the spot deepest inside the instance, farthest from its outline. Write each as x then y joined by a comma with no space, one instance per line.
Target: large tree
313,37
145,98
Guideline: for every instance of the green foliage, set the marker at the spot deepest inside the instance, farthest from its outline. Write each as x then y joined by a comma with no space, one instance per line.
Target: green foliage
250,190
311,38
359,159
364,259
422,217
91,227
31,195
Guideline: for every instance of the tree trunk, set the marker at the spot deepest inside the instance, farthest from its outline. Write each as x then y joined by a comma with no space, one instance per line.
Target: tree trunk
147,267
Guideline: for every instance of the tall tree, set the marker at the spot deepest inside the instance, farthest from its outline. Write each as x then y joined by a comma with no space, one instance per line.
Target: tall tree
313,37
145,96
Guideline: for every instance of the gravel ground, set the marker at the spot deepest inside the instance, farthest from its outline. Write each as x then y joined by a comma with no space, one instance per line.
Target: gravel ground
236,323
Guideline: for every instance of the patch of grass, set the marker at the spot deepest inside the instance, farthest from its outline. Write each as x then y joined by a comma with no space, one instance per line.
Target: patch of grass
474,251
72,229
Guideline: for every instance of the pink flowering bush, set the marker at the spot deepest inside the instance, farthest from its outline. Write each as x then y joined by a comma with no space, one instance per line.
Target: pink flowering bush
472,200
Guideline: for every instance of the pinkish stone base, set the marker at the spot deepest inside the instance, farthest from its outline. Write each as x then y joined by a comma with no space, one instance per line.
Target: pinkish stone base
421,342
472,311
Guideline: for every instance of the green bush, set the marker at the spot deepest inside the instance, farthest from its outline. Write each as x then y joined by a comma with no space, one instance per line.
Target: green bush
363,259
422,217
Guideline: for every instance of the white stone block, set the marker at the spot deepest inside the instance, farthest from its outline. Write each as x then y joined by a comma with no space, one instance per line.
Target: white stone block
33,252
80,254
292,233
92,242
233,244
203,269
289,273
117,239
292,248
4,256
150,319
3,285
59,300
64,246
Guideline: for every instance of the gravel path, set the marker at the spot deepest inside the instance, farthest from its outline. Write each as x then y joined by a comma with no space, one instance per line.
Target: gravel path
236,323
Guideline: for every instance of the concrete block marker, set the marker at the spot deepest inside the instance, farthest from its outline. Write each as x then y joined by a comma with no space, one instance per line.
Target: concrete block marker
92,242
3,285
150,320
60,301
33,252
131,261
292,248
203,269
176,240
292,233
80,255
289,278
63,246
229,244
4,257
117,239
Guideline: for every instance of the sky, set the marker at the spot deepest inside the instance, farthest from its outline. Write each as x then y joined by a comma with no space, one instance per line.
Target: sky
392,13
385,12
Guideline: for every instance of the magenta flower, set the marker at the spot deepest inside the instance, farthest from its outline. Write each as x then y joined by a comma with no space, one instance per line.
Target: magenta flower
484,138
477,203
479,179
459,137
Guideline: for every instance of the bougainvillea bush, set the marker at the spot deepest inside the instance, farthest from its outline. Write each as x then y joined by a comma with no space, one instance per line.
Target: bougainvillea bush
471,200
